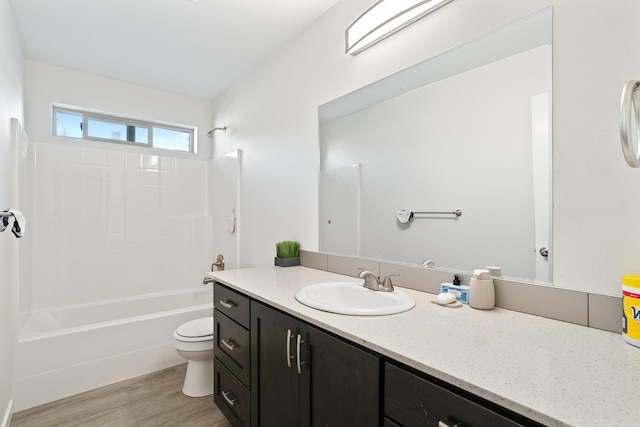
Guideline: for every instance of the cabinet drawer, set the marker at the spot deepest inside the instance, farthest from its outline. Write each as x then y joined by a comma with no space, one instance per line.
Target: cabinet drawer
410,400
231,396
233,346
233,304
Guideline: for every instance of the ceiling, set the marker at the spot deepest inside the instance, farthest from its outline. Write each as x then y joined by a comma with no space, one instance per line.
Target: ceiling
193,47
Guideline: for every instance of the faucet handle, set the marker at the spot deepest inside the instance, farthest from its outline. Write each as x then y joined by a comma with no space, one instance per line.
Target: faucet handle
386,282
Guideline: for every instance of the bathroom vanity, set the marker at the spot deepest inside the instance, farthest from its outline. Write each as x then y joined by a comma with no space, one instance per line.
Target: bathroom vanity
279,362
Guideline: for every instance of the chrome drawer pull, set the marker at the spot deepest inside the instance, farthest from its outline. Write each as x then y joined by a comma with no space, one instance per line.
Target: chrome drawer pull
441,424
226,395
229,344
228,304
299,364
289,356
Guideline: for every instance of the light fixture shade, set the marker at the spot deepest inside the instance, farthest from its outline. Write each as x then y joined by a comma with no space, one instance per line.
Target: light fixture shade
385,18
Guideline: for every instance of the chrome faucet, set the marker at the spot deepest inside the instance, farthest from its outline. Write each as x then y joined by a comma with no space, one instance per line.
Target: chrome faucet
219,265
371,281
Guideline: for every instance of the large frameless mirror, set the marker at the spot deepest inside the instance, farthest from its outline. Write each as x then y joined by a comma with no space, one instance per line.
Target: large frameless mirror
467,130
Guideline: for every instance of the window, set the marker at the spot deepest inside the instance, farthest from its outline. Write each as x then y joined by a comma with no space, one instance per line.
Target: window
75,123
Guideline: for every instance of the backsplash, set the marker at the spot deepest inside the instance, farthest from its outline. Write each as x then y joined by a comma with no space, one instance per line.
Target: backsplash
596,311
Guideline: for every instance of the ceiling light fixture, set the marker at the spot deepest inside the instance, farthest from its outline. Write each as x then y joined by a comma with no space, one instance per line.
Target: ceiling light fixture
384,18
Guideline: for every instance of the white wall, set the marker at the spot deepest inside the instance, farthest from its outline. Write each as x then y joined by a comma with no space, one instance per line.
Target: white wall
11,105
46,84
113,221
273,112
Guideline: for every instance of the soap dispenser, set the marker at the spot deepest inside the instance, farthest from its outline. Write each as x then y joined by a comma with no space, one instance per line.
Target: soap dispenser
482,294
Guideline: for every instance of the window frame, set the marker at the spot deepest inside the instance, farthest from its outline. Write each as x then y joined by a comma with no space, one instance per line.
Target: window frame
120,120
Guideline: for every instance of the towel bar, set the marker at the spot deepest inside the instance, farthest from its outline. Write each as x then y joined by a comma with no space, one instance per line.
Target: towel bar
457,212
629,104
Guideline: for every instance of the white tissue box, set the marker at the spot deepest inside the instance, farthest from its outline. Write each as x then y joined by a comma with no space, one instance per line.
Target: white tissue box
460,291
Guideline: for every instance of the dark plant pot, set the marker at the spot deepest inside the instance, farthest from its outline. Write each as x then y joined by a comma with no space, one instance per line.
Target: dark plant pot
287,262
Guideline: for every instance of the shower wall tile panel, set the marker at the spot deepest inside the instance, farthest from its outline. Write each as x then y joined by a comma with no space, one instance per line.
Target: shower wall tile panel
112,224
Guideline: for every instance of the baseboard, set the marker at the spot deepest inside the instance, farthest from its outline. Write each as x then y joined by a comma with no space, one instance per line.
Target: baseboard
6,420
57,384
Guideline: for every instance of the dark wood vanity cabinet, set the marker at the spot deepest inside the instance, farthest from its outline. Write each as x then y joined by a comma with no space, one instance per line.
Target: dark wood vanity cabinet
302,376
412,400
232,351
274,370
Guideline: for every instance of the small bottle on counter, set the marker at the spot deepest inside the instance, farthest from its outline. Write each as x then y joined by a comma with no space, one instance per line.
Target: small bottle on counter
460,291
482,294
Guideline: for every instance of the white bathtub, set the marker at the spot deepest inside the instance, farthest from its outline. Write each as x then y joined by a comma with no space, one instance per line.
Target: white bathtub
69,350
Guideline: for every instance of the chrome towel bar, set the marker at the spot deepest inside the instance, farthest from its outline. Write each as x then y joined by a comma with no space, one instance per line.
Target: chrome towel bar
457,212
629,114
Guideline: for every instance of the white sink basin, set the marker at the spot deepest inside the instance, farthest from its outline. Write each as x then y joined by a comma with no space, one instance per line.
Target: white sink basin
353,299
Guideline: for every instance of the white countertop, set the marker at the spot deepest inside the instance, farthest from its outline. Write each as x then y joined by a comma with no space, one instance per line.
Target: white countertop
556,373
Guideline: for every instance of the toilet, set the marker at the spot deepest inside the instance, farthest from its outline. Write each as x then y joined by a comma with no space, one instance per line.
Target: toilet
194,341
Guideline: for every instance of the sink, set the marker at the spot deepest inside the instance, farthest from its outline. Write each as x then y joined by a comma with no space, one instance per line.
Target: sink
354,299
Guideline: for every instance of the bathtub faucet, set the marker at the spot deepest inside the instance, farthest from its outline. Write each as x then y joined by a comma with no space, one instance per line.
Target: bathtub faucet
218,264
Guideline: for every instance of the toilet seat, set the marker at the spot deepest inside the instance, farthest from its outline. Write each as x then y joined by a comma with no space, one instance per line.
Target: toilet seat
195,330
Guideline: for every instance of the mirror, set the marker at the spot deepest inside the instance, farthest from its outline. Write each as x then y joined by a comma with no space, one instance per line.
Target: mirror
468,130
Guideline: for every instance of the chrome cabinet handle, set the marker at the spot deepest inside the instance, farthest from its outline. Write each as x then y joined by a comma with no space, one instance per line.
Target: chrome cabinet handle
227,396
228,304
289,356
628,103
229,344
443,424
299,363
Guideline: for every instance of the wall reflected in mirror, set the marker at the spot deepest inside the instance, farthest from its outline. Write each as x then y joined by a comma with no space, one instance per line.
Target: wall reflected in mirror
469,129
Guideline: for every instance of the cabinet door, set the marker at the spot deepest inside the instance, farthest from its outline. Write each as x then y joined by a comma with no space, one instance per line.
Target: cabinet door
341,382
275,390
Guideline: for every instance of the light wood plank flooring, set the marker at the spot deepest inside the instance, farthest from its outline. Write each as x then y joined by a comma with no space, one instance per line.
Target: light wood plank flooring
151,400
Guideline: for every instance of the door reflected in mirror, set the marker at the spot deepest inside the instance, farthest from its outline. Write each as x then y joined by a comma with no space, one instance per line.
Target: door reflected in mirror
467,130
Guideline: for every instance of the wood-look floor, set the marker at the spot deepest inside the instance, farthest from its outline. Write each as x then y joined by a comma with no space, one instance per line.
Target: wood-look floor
151,400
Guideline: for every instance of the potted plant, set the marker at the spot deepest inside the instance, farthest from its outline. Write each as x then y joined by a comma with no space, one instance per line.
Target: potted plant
287,253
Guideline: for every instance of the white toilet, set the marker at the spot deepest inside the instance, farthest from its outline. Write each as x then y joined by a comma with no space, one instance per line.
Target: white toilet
194,341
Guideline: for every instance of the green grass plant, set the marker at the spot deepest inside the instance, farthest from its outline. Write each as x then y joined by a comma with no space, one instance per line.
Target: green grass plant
287,249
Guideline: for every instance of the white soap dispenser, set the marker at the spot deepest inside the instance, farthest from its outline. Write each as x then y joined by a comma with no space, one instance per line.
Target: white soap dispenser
482,294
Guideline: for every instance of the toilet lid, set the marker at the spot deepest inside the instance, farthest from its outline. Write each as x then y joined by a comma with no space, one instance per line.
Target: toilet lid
196,328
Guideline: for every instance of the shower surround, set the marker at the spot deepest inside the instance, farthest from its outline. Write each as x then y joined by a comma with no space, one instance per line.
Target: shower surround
111,224
106,223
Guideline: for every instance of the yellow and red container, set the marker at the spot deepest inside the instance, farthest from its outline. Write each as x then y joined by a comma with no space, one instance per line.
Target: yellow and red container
631,309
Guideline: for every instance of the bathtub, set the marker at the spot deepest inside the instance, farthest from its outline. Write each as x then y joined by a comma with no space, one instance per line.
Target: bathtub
69,350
